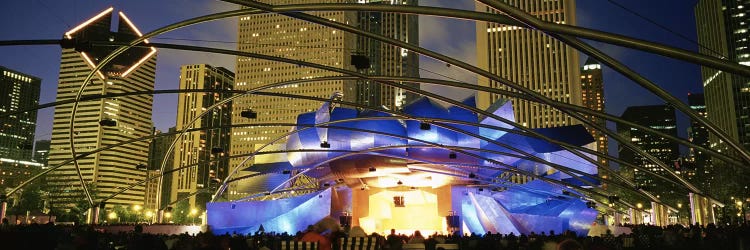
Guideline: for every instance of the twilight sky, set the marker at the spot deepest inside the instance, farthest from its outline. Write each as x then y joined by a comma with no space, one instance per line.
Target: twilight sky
48,19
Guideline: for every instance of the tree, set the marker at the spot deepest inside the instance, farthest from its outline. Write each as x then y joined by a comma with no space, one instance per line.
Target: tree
181,212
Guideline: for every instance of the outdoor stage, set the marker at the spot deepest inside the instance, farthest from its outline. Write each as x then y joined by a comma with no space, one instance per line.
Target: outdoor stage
383,172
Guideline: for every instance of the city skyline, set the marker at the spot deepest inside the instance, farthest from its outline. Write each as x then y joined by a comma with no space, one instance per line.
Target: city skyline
679,19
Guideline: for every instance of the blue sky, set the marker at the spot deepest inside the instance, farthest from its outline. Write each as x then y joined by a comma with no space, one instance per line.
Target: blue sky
48,19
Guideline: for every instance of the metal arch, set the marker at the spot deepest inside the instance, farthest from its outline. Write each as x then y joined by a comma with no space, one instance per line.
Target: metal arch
549,27
457,149
341,71
420,50
645,83
596,35
320,99
176,25
420,80
556,104
110,57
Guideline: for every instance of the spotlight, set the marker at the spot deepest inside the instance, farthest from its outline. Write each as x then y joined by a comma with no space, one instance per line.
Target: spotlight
325,144
372,169
249,114
217,150
400,182
452,155
472,176
398,201
108,123
613,199
360,62
424,126
590,204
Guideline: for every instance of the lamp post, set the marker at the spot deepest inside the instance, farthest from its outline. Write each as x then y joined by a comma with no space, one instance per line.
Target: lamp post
742,211
137,209
679,208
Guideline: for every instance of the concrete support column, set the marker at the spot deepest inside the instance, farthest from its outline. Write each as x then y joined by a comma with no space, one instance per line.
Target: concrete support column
160,216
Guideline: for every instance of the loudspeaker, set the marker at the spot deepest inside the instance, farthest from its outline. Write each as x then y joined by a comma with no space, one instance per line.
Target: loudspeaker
398,201
453,221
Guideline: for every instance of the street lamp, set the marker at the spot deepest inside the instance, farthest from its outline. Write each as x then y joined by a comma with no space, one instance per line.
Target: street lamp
639,205
193,212
149,215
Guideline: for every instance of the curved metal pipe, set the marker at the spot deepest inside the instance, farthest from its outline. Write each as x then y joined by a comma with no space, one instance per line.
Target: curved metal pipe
425,52
533,22
558,105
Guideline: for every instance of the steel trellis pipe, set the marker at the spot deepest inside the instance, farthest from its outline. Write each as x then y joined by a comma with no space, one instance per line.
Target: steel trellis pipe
420,50
616,65
461,64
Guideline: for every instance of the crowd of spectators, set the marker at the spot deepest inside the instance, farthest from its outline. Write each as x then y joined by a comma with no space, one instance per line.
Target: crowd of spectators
48,236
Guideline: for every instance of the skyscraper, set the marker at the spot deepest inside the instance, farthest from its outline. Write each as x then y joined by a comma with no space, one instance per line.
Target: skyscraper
592,97
103,122
41,151
531,59
660,118
207,146
277,35
723,32
386,59
19,91
698,134
156,151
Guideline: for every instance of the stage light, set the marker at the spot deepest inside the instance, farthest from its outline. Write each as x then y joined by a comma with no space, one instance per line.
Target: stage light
325,144
249,114
424,126
372,169
452,155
